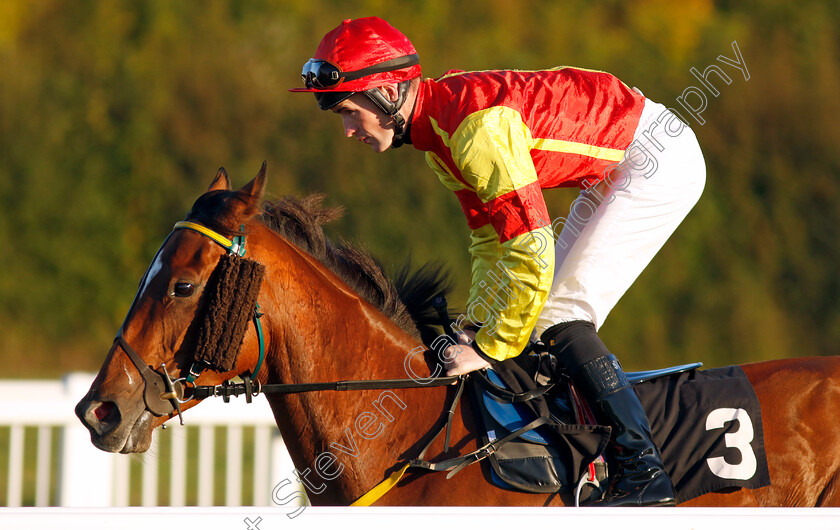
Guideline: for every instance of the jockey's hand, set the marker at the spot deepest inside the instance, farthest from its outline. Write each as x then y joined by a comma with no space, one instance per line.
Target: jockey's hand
461,358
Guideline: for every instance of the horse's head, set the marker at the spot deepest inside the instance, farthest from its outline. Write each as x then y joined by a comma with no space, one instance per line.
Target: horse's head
190,316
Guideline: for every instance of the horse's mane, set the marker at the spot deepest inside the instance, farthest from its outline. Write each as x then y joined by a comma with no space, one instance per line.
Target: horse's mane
406,300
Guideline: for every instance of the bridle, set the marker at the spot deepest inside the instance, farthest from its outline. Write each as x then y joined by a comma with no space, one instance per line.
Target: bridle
164,395
161,393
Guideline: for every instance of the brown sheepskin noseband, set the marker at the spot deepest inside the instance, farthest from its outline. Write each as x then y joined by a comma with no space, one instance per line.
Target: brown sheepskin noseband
231,294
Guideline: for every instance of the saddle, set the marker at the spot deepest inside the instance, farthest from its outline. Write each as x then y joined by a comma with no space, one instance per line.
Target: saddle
564,452
539,437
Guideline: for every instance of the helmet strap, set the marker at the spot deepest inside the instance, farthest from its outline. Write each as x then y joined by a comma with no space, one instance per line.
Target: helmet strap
392,109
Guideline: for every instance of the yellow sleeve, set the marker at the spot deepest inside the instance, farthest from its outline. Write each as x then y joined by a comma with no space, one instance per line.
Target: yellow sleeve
510,284
513,255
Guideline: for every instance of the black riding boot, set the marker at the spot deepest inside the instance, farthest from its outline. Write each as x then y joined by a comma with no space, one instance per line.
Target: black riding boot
637,476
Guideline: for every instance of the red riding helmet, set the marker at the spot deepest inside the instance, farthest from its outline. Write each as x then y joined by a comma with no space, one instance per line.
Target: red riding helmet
359,56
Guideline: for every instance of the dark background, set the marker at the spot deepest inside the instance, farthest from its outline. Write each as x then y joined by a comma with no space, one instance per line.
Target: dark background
114,117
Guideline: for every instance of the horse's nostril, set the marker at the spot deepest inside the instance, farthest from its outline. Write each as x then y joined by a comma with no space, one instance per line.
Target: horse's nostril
100,417
103,410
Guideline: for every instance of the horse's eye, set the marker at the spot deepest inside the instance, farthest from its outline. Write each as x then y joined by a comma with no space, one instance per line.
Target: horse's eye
183,289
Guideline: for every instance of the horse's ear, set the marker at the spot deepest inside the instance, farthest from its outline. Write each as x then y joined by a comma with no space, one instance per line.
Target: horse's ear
252,192
221,182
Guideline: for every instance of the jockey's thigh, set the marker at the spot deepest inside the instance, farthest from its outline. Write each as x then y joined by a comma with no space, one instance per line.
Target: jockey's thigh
614,229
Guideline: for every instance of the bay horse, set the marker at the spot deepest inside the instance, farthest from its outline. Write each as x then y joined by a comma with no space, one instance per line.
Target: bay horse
330,314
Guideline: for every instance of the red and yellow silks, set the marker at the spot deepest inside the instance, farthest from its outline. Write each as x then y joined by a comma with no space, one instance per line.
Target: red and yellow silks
498,138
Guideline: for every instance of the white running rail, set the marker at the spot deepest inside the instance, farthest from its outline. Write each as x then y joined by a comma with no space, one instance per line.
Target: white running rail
410,518
46,458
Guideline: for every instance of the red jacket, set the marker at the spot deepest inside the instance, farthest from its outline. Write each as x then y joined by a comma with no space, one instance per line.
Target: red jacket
497,138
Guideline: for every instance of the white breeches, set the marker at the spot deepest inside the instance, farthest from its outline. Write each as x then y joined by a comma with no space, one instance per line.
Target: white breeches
615,228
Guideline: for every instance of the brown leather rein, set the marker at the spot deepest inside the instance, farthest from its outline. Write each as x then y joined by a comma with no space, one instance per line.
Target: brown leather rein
164,395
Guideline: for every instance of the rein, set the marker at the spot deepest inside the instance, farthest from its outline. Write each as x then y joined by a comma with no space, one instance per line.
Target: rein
164,395
248,388
228,389
236,246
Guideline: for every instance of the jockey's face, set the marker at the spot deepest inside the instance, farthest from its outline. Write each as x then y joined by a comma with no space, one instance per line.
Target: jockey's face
367,122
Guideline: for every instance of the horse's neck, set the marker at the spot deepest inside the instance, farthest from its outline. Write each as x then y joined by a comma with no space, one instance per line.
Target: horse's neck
330,331
344,439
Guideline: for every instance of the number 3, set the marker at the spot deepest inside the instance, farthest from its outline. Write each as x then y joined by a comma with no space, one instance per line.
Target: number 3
739,440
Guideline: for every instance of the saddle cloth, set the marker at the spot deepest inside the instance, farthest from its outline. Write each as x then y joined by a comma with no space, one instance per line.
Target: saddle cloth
706,423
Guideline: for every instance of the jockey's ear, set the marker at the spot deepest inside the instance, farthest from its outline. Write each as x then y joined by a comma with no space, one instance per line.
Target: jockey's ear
391,91
251,194
221,182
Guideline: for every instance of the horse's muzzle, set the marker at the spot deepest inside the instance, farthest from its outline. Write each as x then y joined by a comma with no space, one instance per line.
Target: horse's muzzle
114,430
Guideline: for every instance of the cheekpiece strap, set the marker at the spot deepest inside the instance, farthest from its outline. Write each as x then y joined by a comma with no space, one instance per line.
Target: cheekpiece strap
234,246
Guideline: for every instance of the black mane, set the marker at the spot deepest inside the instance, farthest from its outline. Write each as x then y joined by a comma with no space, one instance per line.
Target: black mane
407,300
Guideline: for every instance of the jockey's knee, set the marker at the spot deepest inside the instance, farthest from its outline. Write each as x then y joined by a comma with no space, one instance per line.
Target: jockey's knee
574,344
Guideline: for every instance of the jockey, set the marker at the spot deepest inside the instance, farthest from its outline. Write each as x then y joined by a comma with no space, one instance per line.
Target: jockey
497,139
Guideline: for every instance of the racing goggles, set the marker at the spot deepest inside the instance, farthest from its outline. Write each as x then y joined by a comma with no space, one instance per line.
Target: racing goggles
321,74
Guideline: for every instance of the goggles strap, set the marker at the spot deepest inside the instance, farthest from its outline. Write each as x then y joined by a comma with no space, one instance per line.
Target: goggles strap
397,63
392,64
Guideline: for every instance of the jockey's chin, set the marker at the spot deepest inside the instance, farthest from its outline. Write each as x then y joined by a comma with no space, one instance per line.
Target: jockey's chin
380,143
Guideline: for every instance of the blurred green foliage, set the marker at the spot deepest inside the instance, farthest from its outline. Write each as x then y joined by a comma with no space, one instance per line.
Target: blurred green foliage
115,115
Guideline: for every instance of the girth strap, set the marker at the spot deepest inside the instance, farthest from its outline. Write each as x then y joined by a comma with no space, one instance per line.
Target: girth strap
458,463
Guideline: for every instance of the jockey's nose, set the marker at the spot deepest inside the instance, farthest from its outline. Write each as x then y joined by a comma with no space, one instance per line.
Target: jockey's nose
349,128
